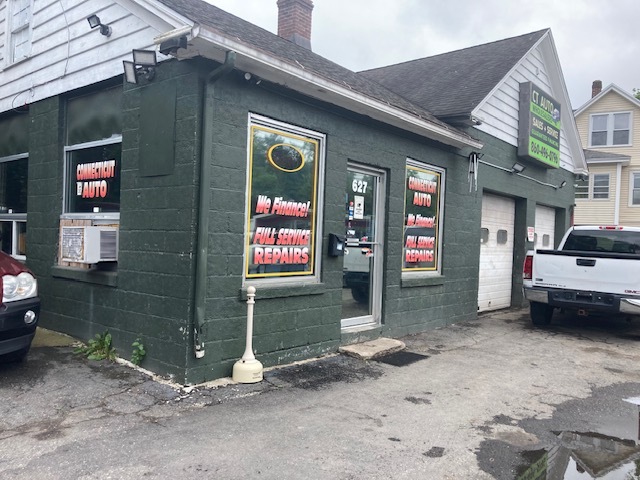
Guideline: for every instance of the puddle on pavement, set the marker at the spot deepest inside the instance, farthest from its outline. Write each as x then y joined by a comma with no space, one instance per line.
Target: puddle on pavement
401,358
584,456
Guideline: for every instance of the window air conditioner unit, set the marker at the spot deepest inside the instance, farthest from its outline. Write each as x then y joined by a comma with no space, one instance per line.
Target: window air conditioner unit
89,244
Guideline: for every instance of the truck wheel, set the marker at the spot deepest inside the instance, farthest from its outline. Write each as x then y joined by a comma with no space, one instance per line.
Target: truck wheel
360,294
540,313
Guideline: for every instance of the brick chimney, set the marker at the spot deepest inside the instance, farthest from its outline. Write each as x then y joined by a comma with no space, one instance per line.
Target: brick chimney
596,88
294,21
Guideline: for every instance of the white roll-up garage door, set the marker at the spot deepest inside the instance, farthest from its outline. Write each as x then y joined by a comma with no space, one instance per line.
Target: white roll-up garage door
545,227
496,252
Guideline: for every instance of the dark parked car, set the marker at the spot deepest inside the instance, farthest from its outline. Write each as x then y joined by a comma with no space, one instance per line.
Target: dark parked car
20,308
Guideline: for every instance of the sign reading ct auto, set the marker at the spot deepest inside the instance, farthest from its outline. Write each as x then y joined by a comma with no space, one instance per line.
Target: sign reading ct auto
539,128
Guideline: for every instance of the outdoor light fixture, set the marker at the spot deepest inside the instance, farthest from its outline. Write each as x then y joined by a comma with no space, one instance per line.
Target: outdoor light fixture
517,168
143,65
94,21
564,182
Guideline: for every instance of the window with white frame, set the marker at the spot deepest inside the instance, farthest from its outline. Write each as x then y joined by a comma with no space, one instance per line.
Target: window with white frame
582,187
93,155
423,218
19,29
283,205
13,205
600,186
14,145
635,188
592,187
609,129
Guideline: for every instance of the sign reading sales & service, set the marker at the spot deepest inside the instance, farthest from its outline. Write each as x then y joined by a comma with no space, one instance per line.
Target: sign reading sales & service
539,130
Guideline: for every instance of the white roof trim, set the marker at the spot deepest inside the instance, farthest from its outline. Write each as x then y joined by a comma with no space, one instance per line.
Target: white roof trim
608,161
611,88
568,120
496,87
161,11
274,69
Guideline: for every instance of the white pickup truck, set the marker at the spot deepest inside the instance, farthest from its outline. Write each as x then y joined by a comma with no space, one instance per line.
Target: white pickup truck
595,269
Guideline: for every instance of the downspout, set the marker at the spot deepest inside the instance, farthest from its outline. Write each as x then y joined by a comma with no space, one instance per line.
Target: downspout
202,251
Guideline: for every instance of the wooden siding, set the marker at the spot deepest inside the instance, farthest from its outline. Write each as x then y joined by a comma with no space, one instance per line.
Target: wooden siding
500,112
598,211
3,29
629,214
613,102
66,53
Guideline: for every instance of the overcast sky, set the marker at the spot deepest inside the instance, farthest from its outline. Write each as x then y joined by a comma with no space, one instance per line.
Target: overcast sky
595,39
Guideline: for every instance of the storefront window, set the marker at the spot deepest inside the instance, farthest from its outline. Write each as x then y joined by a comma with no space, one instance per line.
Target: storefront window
13,205
424,200
14,166
93,179
89,224
283,221
93,154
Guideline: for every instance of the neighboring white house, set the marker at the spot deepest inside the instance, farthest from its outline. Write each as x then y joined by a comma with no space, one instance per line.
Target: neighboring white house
609,125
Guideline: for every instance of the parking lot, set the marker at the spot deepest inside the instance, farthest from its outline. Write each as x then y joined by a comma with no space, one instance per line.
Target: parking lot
484,399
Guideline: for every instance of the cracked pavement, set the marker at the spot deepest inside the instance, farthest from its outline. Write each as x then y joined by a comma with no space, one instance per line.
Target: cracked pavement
486,392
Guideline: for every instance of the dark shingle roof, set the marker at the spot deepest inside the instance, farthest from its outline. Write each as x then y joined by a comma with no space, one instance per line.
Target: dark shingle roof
454,83
253,36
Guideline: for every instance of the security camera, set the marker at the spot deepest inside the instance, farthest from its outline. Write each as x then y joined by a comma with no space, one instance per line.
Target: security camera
171,46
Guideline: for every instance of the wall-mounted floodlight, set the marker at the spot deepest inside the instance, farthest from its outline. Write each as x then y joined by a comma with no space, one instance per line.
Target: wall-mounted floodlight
94,21
564,182
143,65
517,168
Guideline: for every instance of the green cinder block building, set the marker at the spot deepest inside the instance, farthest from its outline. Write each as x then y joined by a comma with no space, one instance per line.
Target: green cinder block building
147,196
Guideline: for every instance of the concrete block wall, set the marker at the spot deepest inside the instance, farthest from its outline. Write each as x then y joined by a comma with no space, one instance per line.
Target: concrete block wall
303,321
151,295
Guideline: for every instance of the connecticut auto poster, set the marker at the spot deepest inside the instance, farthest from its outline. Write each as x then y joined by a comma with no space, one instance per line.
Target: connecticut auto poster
283,177
421,218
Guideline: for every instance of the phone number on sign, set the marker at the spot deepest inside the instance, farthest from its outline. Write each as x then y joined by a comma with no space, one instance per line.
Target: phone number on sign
544,152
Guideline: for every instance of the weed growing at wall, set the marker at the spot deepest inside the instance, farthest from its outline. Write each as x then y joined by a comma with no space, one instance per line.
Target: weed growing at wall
138,353
98,348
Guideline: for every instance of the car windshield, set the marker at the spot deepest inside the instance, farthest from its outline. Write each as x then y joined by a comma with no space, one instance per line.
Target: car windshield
612,241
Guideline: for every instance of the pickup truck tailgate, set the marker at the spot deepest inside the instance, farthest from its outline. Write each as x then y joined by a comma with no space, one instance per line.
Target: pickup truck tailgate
600,272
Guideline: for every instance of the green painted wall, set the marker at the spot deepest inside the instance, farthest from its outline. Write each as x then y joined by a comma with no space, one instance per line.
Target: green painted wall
151,296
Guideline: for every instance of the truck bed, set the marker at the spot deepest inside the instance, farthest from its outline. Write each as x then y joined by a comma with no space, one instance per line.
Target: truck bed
617,273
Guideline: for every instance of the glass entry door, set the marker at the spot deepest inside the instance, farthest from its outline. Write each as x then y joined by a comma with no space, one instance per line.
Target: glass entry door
363,253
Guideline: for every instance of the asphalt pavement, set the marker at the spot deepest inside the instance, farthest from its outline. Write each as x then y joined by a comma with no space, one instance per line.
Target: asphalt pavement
490,398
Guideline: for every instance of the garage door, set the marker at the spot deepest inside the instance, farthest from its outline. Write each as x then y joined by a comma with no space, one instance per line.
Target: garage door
496,253
545,227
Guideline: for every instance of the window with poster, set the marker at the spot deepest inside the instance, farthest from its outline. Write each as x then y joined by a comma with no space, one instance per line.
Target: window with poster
14,165
423,213
282,237
89,224
93,155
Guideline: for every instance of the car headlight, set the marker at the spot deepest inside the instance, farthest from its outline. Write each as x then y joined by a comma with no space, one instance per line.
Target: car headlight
19,287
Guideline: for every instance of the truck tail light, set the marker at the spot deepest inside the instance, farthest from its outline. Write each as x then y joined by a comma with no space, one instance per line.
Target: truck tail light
527,269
